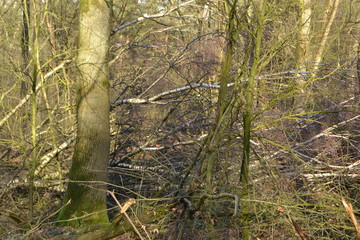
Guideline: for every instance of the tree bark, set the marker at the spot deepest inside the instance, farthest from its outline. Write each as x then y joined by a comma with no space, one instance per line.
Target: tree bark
248,115
357,95
85,200
332,9
304,35
25,38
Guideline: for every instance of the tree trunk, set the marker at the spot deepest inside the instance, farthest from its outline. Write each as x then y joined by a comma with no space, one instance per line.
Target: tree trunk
25,37
85,200
357,95
248,115
303,53
303,36
332,9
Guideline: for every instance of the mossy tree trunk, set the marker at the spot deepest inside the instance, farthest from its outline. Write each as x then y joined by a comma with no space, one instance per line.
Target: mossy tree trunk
85,200
248,115
224,107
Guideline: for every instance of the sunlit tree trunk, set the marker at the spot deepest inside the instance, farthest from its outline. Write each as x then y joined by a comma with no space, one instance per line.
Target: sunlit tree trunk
35,78
304,35
332,10
303,56
86,192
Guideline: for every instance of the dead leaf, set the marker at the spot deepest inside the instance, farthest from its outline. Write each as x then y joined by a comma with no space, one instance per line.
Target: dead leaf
280,209
299,230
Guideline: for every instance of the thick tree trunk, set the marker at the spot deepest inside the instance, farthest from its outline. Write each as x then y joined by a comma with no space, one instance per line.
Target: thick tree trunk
86,194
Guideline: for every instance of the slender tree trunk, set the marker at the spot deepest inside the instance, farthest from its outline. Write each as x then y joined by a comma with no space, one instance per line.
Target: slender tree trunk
303,50
357,95
85,198
32,164
223,111
25,37
332,9
304,35
25,46
248,116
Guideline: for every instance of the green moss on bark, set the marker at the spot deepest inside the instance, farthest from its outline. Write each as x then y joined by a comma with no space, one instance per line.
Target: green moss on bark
85,197
85,200
85,5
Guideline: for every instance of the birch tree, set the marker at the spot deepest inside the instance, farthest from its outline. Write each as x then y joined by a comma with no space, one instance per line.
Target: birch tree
304,34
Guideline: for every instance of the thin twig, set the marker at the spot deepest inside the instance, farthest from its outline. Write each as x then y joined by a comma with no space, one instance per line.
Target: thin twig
350,211
123,211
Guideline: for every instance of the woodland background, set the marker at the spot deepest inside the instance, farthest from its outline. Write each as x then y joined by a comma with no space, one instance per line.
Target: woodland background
175,140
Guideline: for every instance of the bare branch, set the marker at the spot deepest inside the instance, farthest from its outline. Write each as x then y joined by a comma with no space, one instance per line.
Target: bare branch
27,97
310,176
159,96
350,211
226,195
47,158
326,132
145,147
145,16
155,99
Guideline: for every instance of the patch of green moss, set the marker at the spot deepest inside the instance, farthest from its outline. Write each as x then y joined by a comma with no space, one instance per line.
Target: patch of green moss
75,215
106,84
85,5
83,204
